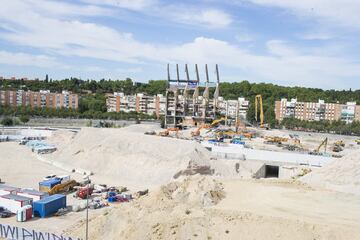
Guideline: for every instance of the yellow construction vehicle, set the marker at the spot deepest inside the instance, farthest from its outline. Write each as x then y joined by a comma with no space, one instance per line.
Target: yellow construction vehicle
217,121
196,132
275,140
167,132
322,144
340,143
357,141
63,187
258,101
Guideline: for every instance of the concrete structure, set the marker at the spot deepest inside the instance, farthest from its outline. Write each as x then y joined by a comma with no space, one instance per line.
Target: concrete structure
316,111
234,151
43,98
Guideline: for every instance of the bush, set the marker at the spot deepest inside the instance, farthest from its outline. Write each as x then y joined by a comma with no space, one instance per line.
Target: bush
24,118
7,121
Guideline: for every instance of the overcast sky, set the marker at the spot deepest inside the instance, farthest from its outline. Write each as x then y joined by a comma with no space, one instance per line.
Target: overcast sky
311,43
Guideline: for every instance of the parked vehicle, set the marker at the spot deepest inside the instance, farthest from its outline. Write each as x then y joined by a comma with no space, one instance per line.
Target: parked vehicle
4,213
49,177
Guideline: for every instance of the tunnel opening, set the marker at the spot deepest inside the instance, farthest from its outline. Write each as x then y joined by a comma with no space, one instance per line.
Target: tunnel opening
271,171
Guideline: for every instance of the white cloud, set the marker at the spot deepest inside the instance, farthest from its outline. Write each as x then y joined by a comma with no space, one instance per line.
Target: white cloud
211,18
68,37
94,69
316,36
129,70
24,59
244,37
128,4
341,12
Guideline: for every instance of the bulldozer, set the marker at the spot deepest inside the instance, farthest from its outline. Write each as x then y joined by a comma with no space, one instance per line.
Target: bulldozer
338,146
63,187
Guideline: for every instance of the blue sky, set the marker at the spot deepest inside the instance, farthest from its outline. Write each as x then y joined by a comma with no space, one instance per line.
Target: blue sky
312,43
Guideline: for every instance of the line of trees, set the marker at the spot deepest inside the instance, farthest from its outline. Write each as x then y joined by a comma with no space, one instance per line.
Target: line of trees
338,127
92,102
25,112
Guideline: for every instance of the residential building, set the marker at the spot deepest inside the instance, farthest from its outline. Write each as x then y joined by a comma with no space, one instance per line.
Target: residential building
43,98
316,111
151,105
233,108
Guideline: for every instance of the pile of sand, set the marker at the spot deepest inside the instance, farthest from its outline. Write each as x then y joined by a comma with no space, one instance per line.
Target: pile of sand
179,210
127,156
342,174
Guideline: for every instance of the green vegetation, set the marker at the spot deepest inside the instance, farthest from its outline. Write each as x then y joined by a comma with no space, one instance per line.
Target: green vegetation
23,112
7,121
338,127
92,103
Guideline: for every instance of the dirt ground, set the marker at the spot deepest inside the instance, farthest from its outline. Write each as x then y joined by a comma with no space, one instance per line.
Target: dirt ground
197,207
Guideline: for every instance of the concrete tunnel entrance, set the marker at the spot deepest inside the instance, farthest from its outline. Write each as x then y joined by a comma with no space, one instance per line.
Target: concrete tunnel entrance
271,171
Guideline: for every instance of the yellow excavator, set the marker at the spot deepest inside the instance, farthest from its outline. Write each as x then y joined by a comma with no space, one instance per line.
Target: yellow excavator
217,121
322,144
63,187
258,101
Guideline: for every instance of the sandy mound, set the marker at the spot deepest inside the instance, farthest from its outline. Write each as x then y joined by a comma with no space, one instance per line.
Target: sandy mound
128,157
342,174
180,210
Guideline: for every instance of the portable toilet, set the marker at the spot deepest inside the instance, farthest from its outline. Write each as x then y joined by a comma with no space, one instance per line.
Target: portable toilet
24,213
14,202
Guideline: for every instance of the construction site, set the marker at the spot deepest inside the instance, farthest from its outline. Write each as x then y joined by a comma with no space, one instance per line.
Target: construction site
203,176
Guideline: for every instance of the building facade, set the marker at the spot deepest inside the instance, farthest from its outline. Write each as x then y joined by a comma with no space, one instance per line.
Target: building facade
41,99
156,105
316,111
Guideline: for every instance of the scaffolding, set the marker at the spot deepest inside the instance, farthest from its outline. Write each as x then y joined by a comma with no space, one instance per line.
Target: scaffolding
186,105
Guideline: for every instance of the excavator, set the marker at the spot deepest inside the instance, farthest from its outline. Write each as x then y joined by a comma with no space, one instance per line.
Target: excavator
217,121
322,144
167,132
63,187
196,132
258,101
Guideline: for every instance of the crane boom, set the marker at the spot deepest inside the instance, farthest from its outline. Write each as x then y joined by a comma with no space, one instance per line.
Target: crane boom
258,101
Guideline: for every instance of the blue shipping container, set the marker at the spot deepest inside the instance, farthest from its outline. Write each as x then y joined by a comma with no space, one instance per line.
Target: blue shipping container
50,183
49,205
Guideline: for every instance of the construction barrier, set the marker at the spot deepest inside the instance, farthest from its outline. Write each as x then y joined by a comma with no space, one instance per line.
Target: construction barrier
19,233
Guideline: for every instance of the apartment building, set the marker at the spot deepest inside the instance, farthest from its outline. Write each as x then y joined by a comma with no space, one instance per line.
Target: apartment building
233,108
146,104
43,98
140,102
316,111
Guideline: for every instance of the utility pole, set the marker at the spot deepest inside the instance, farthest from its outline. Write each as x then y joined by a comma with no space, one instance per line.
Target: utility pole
87,208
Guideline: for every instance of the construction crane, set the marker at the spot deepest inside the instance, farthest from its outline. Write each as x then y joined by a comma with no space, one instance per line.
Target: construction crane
258,101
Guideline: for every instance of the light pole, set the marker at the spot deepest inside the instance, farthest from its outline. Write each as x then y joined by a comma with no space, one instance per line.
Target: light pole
87,207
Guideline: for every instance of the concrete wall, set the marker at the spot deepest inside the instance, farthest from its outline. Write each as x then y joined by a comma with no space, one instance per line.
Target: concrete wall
271,156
